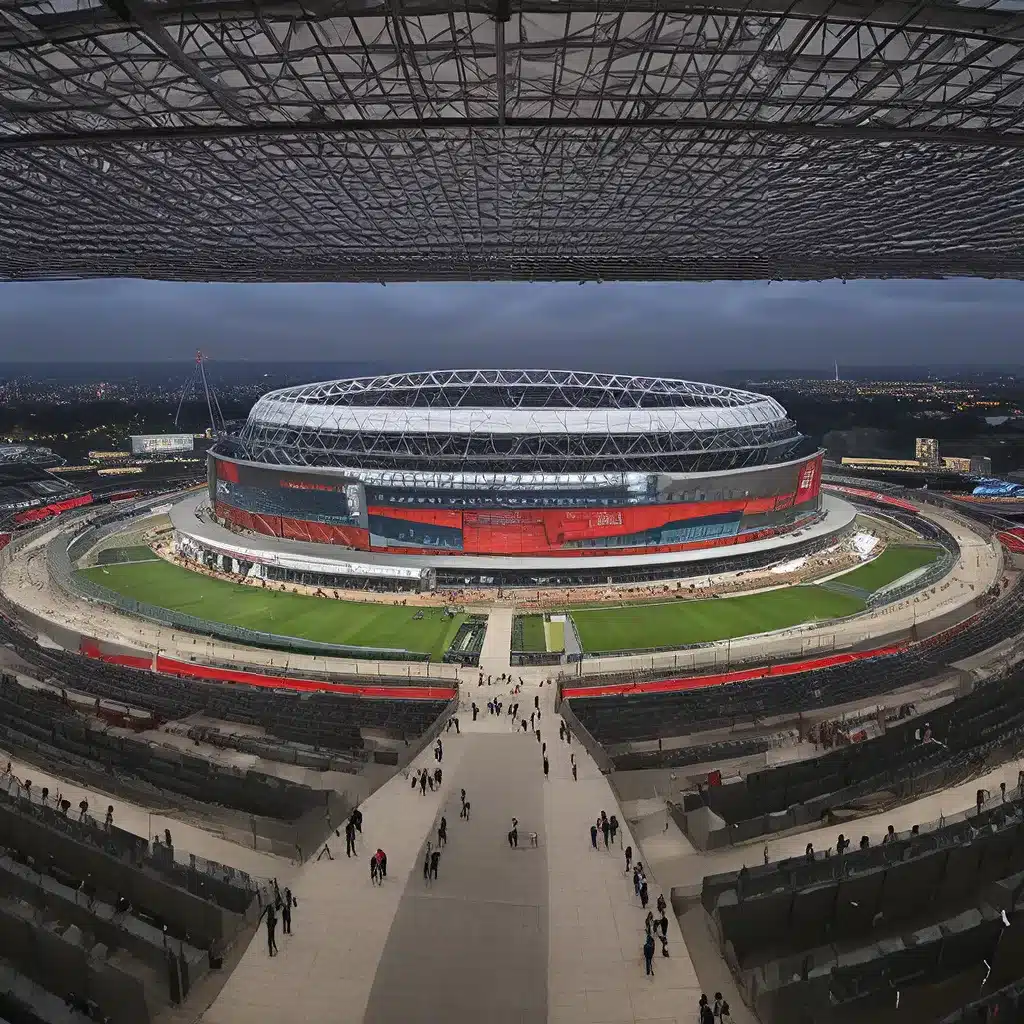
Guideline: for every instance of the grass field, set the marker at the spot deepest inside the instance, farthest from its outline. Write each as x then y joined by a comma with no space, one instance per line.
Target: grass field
310,618
892,564
554,633
691,622
533,633
132,553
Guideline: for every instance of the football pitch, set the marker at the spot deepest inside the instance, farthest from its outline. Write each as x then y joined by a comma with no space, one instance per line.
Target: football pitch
892,564
285,614
678,623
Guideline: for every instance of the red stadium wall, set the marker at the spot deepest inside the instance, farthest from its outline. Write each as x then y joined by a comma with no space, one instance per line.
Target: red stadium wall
882,499
722,678
548,532
190,670
35,515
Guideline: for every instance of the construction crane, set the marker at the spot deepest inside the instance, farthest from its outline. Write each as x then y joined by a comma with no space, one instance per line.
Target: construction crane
198,379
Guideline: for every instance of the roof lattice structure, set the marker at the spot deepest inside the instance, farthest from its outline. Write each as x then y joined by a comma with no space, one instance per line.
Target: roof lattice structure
427,139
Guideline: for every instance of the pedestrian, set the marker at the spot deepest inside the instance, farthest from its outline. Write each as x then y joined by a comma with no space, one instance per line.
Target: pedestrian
435,859
649,922
350,839
649,954
442,832
545,767
644,895
605,829
476,710
661,904
415,781
543,749
524,725
466,811
440,752
373,870
426,866
707,1015
271,928
108,821
716,1006
561,730
629,858
286,913
437,777
423,782
457,730
663,926
382,864
538,735
593,836
356,818
574,771
536,700
532,717
613,824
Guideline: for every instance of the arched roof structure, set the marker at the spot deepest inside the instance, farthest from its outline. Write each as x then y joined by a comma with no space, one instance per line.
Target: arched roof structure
511,139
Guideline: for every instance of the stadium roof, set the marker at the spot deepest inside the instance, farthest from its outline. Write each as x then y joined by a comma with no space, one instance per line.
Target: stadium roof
421,139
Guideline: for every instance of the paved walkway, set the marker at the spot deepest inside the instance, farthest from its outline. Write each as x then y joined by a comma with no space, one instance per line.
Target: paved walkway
494,655
503,935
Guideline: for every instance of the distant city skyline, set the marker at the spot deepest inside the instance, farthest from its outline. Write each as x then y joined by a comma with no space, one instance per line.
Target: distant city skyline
675,329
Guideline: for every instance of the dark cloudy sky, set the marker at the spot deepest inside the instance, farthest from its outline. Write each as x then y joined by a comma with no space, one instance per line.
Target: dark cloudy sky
639,327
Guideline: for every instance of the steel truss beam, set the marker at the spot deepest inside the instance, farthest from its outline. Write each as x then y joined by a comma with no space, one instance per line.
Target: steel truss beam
404,140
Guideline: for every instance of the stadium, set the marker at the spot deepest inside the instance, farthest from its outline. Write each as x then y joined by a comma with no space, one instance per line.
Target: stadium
749,657
491,472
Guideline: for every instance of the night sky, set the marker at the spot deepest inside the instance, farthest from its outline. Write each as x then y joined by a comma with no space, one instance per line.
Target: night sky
630,327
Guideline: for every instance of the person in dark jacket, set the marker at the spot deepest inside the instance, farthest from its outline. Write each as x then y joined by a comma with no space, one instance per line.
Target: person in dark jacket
271,928
649,953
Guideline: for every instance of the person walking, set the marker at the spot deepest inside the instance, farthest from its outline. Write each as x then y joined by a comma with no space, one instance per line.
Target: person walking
435,859
663,926
350,839
593,836
382,865
629,858
605,830
286,913
423,782
649,954
271,928
426,867
442,832
574,771
545,767
374,878
613,825
661,904
644,895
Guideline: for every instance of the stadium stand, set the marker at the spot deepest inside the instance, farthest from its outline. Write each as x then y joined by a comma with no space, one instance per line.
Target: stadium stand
648,716
986,727
98,924
320,720
42,722
835,937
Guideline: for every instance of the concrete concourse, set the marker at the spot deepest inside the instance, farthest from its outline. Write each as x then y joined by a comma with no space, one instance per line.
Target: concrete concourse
547,933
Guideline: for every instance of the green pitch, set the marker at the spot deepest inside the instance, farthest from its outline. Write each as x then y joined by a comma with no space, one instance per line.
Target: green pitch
285,614
533,633
678,623
892,564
